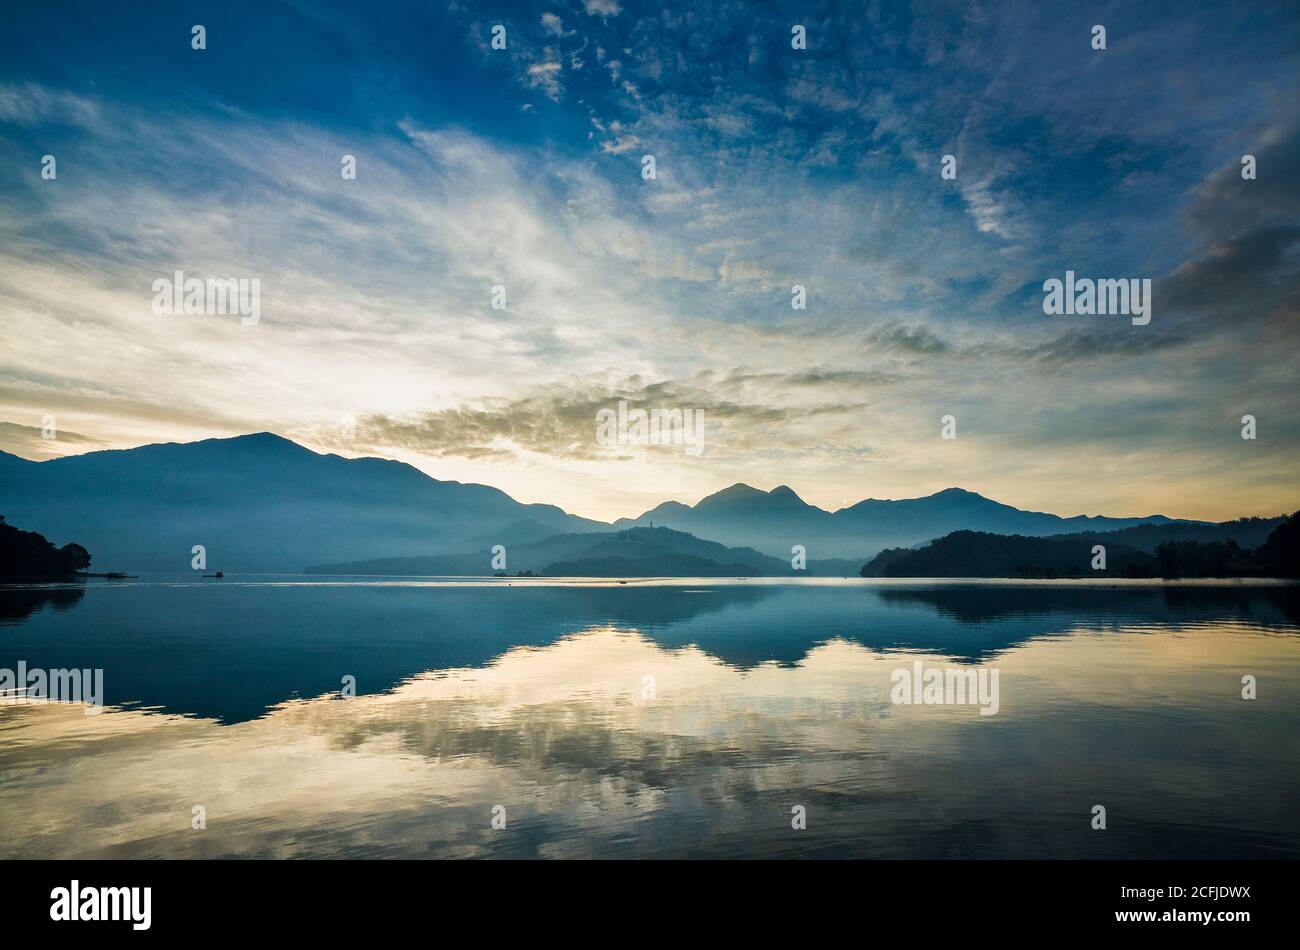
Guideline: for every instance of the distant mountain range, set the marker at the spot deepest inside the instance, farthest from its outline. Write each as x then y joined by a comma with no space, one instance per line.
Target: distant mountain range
261,503
257,503
772,521
635,552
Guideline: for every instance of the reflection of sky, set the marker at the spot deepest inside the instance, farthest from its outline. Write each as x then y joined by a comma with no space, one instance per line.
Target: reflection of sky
1148,722
233,650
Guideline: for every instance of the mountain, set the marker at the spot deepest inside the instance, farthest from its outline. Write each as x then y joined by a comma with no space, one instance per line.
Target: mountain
636,552
1245,548
263,503
1245,532
774,521
980,554
973,554
257,503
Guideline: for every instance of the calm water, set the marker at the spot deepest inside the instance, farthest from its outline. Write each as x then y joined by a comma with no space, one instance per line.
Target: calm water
651,720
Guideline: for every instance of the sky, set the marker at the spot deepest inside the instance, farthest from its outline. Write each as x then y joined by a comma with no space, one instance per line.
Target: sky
523,168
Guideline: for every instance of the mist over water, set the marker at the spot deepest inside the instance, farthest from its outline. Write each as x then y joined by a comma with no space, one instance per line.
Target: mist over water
651,719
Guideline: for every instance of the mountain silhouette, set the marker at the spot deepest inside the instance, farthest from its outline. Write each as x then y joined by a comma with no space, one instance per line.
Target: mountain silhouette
1171,550
257,503
635,552
773,521
261,503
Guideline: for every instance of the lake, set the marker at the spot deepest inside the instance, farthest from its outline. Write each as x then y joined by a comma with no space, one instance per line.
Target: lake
682,718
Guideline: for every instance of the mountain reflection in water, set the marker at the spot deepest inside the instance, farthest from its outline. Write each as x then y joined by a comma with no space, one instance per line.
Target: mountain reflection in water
678,719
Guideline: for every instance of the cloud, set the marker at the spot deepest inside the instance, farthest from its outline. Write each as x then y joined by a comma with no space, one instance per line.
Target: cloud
1077,347
29,104
604,8
775,167
546,77
1252,274
30,442
906,339
1226,204
1246,265
743,411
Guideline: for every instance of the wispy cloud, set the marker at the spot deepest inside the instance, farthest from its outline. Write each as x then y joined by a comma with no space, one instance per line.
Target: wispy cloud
521,169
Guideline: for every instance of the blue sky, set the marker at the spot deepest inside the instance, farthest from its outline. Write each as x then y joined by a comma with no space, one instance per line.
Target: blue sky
775,166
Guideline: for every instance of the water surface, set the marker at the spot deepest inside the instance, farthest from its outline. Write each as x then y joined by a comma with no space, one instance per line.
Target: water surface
651,719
